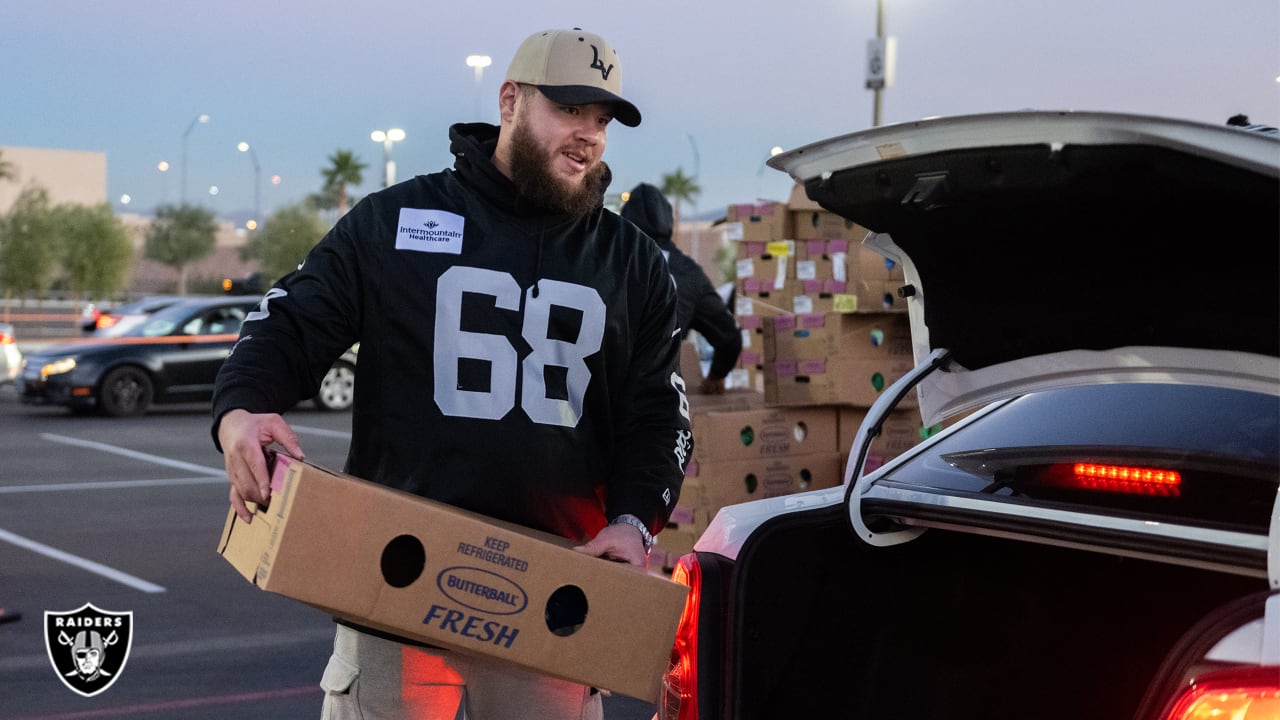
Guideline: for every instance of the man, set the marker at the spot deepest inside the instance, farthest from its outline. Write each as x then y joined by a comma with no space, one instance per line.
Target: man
517,358
699,307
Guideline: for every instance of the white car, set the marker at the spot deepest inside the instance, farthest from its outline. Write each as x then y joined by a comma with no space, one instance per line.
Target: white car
1094,302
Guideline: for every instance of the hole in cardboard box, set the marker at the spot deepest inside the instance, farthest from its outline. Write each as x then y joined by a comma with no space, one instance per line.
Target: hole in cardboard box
877,381
751,482
566,610
806,478
403,560
877,337
800,431
747,435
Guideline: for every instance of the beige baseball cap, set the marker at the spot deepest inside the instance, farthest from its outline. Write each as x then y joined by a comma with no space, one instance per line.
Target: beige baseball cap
573,67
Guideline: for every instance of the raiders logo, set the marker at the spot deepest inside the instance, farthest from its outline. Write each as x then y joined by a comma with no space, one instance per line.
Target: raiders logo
88,647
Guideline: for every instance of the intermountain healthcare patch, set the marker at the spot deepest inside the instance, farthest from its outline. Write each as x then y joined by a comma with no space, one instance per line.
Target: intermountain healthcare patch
88,647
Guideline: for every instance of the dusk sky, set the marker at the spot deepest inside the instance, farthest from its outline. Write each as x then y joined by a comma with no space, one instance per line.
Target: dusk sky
719,82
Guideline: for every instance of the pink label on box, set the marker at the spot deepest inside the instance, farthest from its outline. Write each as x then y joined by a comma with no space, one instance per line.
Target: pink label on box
748,358
749,322
811,287
752,284
280,472
837,246
691,470
816,247
755,247
813,320
784,322
784,367
835,286
811,367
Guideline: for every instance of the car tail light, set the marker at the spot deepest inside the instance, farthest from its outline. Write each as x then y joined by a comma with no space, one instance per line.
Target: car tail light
679,685
1119,479
1251,693
104,321
6,338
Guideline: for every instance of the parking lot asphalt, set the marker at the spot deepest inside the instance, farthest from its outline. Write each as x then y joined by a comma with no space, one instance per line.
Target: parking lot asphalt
125,514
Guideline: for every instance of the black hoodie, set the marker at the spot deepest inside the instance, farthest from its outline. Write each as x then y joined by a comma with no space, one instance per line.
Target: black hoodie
514,361
699,306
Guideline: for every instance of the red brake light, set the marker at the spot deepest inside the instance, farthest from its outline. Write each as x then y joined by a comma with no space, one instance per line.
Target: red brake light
105,321
1124,479
681,680
6,338
1240,694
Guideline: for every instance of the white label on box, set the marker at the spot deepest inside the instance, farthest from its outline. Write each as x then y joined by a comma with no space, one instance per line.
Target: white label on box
733,231
806,269
802,304
742,305
780,280
839,266
746,268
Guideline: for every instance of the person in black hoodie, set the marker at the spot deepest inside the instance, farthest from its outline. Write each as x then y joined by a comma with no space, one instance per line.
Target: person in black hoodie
698,306
518,358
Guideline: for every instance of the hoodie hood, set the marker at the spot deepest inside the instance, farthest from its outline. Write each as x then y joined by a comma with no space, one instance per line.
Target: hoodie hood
650,212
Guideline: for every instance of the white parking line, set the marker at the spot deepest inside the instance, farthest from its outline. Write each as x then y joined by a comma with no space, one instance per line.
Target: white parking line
111,485
115,450
91,566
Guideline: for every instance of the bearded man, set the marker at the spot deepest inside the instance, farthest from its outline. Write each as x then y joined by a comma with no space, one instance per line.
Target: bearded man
518,358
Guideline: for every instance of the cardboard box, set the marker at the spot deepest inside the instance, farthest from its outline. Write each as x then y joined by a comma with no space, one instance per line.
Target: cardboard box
763,222
430,572
762,432
901,431
836,358
712,485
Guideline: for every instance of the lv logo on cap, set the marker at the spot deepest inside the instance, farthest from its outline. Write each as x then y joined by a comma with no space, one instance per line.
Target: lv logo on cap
596,64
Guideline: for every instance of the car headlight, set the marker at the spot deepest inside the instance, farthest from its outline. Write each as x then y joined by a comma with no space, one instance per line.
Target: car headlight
58,367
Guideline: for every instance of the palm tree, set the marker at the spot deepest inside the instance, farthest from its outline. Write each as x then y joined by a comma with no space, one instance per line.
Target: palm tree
344,169
676,185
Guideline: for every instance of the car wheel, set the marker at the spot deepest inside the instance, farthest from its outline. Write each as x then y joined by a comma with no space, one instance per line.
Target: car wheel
125,391
338,388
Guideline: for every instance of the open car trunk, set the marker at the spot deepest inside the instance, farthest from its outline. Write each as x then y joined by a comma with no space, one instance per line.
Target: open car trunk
957,625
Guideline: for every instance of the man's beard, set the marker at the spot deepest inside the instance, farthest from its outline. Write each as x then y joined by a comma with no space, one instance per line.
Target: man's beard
533,179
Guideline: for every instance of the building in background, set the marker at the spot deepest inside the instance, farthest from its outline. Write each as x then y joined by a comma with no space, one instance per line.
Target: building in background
70,176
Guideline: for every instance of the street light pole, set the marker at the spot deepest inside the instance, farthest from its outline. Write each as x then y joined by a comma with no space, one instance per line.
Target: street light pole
194,121
876,113
257,181
388,137
881,58
479,62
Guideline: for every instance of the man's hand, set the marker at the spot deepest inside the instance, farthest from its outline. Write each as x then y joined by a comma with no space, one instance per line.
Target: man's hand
244,436
620,543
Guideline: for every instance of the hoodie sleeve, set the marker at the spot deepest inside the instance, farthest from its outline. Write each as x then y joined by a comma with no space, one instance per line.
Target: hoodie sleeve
653,436
304,322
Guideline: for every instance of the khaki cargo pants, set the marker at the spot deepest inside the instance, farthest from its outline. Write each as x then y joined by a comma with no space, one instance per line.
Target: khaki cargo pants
371,678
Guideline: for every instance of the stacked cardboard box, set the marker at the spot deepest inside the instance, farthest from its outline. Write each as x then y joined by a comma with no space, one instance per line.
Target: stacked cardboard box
823,334
744,450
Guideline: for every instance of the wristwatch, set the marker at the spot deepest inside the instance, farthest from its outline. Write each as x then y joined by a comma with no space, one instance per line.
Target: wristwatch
638,524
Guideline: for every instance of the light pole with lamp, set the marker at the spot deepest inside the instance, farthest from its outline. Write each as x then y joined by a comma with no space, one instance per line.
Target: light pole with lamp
394,135
257,181
199,119
881,56
479,62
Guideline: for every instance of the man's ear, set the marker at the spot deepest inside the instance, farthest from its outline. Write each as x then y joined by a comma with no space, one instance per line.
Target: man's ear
507,96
